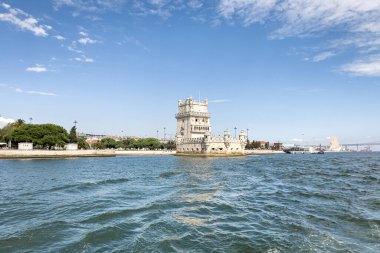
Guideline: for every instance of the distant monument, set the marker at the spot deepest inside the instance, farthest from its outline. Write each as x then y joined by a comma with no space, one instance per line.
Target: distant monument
193,135
335,145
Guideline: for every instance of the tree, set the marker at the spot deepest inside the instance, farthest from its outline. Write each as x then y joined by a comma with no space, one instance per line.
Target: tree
82,144
9,128
248,145
169,145
105,143
42,135
19,122
73,135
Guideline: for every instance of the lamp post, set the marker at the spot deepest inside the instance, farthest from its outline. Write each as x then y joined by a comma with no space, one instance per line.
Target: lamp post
247,133
235,131
157,134
164,133
30,120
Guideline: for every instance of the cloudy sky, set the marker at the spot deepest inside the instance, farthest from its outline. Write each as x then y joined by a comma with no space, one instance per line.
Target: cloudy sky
281,68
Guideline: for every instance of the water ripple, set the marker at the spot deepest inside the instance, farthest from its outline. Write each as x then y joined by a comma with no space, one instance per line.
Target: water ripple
271,204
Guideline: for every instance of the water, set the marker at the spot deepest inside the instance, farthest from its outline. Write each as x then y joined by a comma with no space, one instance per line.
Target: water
278,203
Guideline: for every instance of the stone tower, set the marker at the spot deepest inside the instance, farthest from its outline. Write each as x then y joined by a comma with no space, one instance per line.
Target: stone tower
193,119
193,136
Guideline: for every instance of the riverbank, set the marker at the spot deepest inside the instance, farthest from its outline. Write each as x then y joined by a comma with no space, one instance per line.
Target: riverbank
23,154
173,152
263,152
143,152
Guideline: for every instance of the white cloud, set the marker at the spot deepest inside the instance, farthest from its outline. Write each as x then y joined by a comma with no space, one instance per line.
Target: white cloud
19,90
323,56
366,67
248,11
23,20
5,121
83,33
84,59
74,49
297,140
195,4
37,68
90,5
59,37
301,17
357,22
42,93
87,40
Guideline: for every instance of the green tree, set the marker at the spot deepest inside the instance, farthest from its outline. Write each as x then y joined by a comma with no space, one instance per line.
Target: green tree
82,144
42,135
73,135
169,145
105,143
18,123
248,145
9,128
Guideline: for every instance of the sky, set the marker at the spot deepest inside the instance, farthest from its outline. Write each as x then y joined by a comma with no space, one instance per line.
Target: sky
284,69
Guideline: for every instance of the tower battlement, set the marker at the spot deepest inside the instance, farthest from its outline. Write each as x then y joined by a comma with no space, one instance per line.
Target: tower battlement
191,101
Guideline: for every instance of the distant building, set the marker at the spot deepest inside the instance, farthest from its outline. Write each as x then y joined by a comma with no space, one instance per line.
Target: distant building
71,146
193,134
25,146
277,146
264,144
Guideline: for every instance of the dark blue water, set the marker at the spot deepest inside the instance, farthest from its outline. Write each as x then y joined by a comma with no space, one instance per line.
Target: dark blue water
279,203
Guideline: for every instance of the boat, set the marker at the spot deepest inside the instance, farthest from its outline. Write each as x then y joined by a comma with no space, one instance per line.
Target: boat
318,151
297,150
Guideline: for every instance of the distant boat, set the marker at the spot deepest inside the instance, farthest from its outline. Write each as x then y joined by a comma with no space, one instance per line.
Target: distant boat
303,150
297,150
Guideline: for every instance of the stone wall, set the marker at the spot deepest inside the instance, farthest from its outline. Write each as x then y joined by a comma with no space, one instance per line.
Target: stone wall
17,154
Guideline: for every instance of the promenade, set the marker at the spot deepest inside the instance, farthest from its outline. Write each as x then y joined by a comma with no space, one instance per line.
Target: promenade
23,154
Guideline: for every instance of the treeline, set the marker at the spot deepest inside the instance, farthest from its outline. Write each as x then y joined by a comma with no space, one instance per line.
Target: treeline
41,135
256,145
131,143
48,136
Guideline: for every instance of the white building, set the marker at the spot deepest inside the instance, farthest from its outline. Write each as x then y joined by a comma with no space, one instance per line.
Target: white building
193,134
71,146
25,146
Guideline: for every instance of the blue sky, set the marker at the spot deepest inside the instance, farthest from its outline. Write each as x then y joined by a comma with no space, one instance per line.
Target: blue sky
281,68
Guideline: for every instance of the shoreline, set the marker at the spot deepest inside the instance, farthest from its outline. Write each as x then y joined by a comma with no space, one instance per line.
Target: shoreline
263,152
41,154
144,152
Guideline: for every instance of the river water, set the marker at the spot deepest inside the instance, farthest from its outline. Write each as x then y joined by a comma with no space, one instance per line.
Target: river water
277,203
